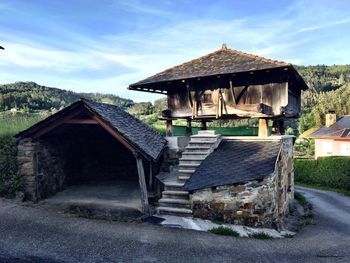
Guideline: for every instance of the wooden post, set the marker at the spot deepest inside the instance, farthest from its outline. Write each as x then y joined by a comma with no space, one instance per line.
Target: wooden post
169,128
142,183
189,127
263,127
203,125
150,181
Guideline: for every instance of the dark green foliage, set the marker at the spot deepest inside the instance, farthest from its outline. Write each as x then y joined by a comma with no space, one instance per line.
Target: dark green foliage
10,181
332,172
299,197
31,96
260,235
225,231
141,109
306,146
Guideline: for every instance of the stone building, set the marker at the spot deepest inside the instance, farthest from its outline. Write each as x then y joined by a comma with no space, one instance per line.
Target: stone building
239,180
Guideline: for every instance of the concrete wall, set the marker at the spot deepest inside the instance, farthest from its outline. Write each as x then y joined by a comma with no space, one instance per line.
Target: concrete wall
329,147
255,203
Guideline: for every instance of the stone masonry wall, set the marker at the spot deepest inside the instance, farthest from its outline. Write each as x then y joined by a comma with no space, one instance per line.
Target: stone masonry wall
41,168
255,203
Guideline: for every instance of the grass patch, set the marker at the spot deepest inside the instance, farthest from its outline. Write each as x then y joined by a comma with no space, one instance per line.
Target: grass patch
225,231
260,235
325,188
299,197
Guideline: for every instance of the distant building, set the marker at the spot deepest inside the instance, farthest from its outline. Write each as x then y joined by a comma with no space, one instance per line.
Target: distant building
334,138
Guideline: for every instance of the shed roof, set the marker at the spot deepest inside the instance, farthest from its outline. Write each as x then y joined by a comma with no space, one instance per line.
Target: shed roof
222,61
235,162
135,132
340,129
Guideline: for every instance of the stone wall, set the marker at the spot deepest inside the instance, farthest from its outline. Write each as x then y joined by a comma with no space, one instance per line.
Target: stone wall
255,203
41,166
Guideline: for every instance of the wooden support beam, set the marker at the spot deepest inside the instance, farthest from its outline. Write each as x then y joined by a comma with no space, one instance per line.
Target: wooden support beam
189,127
142,183
57,123
169,128
81,121
263,127
150,178
114,134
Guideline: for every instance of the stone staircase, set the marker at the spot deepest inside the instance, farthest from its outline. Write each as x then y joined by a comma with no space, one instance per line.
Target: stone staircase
175,201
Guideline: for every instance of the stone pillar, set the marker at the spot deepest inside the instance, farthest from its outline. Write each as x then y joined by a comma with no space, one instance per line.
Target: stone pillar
189,128
169,128
28,167
263,127
203,125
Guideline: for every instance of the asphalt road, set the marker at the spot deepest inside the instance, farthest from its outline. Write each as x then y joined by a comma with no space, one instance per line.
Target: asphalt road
35,234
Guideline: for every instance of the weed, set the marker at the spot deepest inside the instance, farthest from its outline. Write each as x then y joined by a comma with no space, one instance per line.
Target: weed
260,235
225,231
299,197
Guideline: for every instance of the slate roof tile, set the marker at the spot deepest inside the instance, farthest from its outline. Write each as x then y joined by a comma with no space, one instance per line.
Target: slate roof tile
235,162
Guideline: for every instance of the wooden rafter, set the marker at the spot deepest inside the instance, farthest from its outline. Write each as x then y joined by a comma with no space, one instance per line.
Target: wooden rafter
81,121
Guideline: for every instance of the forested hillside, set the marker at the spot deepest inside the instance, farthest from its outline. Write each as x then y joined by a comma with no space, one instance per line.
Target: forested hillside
31,96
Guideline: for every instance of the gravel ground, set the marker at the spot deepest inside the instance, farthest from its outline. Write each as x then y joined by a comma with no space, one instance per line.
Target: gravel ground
35,234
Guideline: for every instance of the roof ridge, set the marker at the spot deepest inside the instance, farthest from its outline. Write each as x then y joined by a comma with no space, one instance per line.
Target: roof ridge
277,62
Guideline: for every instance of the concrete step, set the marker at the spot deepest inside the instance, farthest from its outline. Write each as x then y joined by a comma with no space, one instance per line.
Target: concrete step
184,161
173,186
194,155
186,171
203,139
171,202
173,211
195,148
192,166
207,132
183,178
175,194
201,144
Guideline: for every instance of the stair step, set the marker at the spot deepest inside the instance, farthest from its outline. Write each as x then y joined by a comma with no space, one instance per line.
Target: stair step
187,158
189,161
183,178
193,148
175,203
187,171
173,186
175,194
188,166
195,154
203,140
206,132
163,210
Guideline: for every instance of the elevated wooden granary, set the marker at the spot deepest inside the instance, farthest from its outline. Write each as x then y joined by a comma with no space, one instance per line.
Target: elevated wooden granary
228,84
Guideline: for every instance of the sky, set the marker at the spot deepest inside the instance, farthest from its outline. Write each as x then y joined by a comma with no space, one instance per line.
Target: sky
103,46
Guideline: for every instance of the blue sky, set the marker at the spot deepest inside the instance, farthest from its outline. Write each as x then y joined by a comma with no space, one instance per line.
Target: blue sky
102,46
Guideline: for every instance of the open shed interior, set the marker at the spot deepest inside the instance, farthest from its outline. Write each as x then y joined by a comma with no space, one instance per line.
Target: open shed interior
86,158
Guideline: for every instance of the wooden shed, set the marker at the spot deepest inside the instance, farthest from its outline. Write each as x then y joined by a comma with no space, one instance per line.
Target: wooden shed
228,84
88,141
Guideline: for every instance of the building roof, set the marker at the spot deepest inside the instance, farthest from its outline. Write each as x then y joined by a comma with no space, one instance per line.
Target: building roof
235,162
340,129
135,132
222,61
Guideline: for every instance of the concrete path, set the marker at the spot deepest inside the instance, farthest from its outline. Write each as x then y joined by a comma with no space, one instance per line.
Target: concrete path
34,234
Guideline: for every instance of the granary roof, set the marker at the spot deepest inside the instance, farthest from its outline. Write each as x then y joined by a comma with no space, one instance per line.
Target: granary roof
339,129
235,161
134,131
222,61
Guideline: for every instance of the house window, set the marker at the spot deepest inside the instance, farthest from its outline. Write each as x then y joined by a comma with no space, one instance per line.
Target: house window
345,148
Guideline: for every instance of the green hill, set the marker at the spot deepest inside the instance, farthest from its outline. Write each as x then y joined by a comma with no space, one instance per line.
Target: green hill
31,96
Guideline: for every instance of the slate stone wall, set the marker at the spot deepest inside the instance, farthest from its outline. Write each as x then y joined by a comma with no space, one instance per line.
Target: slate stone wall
255,203
41,166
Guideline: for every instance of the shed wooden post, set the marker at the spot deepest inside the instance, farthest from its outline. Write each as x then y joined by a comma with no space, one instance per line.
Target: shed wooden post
169,128
263,127
189,127
142,183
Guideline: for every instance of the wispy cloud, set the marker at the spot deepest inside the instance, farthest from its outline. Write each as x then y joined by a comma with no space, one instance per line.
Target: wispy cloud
106,49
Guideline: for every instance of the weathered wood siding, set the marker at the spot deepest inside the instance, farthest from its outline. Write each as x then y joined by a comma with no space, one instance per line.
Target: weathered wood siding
240,101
